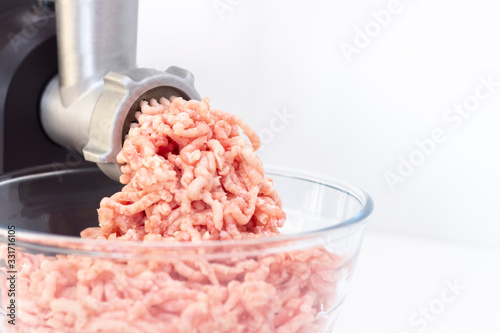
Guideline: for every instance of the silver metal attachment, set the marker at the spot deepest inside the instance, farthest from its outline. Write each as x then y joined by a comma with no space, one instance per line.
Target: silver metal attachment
116,107
93,38
79,109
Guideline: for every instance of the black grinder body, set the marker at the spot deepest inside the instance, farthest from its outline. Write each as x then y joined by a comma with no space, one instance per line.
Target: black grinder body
28,60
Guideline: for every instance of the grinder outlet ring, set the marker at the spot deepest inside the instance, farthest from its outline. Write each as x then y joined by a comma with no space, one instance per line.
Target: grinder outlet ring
117,104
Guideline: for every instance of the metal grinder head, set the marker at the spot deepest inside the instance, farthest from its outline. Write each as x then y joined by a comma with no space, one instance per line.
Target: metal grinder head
90,105
116,107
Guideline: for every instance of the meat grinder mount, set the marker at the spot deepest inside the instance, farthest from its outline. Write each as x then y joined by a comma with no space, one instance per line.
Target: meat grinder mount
89,106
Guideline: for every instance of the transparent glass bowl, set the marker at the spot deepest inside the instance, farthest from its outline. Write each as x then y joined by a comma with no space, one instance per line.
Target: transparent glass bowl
295,282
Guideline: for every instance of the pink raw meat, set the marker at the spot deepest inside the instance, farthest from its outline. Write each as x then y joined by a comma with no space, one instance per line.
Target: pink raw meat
190,176
282,293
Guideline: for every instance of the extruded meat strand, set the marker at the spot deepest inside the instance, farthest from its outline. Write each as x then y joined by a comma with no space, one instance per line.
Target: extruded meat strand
190,175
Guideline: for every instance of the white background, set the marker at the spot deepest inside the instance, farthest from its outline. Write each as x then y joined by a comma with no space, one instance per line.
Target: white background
354,117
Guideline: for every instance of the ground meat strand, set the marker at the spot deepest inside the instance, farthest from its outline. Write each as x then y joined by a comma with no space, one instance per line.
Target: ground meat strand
190,175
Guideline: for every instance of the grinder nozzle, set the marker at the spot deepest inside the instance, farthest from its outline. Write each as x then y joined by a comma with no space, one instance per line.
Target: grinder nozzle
118,103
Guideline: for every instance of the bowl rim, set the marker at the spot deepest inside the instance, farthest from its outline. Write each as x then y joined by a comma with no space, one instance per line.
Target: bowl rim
38,239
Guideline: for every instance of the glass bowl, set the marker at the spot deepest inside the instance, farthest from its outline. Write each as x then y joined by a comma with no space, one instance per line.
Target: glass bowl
54,281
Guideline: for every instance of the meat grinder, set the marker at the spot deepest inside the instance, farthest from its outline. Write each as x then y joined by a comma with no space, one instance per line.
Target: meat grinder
69,82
